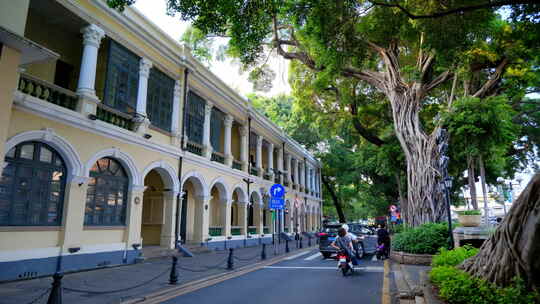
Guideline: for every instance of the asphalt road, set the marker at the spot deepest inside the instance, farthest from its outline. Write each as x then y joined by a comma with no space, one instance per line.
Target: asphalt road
305,279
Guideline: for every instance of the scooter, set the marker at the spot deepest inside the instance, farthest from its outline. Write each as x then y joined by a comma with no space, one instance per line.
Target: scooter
344,263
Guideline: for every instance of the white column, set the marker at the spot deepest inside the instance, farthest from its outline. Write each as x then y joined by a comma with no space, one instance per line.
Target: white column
280,163
168,227
228,129
289,168
244,147
175,121
202,218
258,155
226,205
271,160
141,121
92,36
206,130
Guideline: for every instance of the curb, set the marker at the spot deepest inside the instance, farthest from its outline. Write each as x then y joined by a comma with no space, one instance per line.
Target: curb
171,292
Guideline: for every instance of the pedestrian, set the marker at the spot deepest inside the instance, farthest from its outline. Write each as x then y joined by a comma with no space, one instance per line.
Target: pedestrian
383,237
344,242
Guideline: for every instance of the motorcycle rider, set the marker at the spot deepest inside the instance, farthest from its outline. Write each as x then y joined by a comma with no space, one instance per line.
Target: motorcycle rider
383,237
344,242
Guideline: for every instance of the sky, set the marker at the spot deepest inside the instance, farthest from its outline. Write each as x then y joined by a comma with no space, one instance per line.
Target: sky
174,27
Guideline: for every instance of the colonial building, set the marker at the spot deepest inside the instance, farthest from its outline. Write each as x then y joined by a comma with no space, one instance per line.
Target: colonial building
115,139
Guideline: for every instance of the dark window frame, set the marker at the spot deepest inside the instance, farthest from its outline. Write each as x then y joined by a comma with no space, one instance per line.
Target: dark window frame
216,126
159,99
37,189
121,60
194,114
102,185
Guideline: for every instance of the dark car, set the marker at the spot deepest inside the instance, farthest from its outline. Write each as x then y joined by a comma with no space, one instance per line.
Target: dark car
366,242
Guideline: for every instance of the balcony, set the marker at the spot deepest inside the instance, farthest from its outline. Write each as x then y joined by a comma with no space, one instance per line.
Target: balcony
218,157
254,171
215,231
194,148
114,117
47,92
236,230
237,165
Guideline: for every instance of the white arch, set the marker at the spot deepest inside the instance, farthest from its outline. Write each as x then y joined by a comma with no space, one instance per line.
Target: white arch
221,185
200,183
258,197
167,173
123,158
63,147
242,196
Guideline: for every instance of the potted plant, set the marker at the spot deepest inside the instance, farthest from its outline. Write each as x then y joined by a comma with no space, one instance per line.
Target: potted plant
470,218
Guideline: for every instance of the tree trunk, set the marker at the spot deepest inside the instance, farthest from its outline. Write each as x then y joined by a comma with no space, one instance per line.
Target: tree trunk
514,248
472,181
425,198
335,199
484,190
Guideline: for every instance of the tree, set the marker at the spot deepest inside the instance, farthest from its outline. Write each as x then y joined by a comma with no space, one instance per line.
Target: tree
408,60
513,250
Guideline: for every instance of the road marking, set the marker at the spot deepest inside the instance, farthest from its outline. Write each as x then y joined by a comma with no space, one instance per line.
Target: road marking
312,257
366,268
374,258
386,284
292,257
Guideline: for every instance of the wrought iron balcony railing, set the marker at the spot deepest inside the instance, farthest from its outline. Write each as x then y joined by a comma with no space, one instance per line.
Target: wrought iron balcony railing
194,148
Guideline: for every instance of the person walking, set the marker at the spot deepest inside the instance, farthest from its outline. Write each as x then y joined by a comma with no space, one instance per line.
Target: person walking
383,237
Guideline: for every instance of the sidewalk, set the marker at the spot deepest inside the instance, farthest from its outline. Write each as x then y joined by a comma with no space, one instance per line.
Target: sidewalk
115,284
412,284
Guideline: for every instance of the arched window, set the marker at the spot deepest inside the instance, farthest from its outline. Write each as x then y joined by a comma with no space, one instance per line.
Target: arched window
106,198
32,186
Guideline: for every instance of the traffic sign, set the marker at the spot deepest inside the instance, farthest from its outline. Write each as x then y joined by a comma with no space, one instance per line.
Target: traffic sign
277,190
277,203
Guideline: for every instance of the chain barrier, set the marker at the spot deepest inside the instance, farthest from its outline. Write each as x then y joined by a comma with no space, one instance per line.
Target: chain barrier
36,299
204,268
116,290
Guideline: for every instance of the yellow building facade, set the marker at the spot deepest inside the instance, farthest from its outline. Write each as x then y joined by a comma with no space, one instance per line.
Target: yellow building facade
115,140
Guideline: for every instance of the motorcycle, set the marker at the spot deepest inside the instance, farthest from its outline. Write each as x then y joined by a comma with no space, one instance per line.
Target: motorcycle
380,252
344,263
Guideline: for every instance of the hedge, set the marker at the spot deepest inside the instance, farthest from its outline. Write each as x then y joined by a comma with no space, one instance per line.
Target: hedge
424,239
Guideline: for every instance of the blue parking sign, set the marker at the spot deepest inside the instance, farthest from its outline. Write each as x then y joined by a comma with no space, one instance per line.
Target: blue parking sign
277,190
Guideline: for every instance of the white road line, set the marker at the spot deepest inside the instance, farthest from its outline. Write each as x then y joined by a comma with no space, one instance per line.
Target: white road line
292,257
374,258
366,269
312,257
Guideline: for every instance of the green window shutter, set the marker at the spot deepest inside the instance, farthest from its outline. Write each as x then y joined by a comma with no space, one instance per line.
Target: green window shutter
159,99
216,125
194,119
122,79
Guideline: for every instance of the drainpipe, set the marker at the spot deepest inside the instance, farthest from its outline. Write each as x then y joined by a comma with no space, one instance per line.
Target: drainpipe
180,163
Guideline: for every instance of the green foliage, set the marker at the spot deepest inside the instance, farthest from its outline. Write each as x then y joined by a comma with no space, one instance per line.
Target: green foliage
424,239
470,212
453,257
201,46
458,287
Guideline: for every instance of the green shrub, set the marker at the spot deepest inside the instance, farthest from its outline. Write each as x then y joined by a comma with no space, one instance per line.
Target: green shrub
454,257
458,287
397,228
469,212
424,239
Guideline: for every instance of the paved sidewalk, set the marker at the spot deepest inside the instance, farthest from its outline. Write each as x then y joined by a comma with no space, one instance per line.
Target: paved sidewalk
412,284
97,286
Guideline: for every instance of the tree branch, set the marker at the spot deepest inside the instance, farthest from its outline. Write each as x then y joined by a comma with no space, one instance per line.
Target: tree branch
494,80
463,9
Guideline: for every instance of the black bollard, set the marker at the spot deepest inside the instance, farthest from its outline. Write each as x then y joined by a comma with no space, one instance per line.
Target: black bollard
287,246
173,277
309,241
55,297
300,242
263,253
230,262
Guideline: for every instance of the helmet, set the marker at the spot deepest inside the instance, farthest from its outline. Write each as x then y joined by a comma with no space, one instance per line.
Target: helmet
346,227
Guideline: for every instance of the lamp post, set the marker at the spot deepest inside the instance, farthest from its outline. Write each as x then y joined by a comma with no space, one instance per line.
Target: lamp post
446,182
448,186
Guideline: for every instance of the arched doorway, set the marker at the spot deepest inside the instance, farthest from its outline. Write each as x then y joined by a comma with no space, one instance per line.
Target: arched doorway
192,215
218,210
238,213
255,223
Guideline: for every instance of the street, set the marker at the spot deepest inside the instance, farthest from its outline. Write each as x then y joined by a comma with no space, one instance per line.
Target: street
302,278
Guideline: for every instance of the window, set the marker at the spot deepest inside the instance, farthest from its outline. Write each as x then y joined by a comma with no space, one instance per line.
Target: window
106,197
159,99
122,80
194,121
32,186
216,125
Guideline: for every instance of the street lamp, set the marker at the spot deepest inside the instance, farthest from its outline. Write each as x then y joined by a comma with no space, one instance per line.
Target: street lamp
448,186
